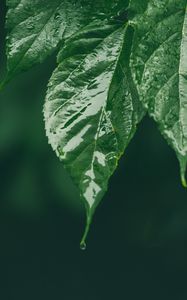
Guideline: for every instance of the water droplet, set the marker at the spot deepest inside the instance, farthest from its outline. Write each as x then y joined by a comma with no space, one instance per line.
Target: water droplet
83,246
30,25
57,16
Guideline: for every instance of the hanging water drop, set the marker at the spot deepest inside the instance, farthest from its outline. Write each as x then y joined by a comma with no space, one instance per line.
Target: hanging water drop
57,16
83,246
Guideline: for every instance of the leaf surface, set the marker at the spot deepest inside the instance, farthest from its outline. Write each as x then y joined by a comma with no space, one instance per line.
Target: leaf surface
92,108
34,30
159,68
36,27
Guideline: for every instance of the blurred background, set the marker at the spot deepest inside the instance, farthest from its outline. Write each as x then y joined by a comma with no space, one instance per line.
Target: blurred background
138,240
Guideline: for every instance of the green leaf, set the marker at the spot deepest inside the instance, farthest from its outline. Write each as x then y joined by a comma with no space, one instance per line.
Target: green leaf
36,27
110,72
159,68
92,107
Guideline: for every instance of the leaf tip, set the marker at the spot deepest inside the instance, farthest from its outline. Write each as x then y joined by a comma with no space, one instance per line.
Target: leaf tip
89,214
183,180
83,240
82,245
183,167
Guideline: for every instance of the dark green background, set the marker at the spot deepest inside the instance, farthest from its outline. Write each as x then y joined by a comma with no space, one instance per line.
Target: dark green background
138,241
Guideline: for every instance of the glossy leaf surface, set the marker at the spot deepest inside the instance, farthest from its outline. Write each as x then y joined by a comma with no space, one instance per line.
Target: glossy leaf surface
92,108
116,60
36,27
159,68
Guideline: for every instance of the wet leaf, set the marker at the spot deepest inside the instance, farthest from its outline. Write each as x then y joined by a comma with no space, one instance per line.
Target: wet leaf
92,107
159,68
35,28
116,60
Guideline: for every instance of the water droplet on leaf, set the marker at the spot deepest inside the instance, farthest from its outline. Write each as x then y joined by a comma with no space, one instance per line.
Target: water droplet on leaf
83,246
